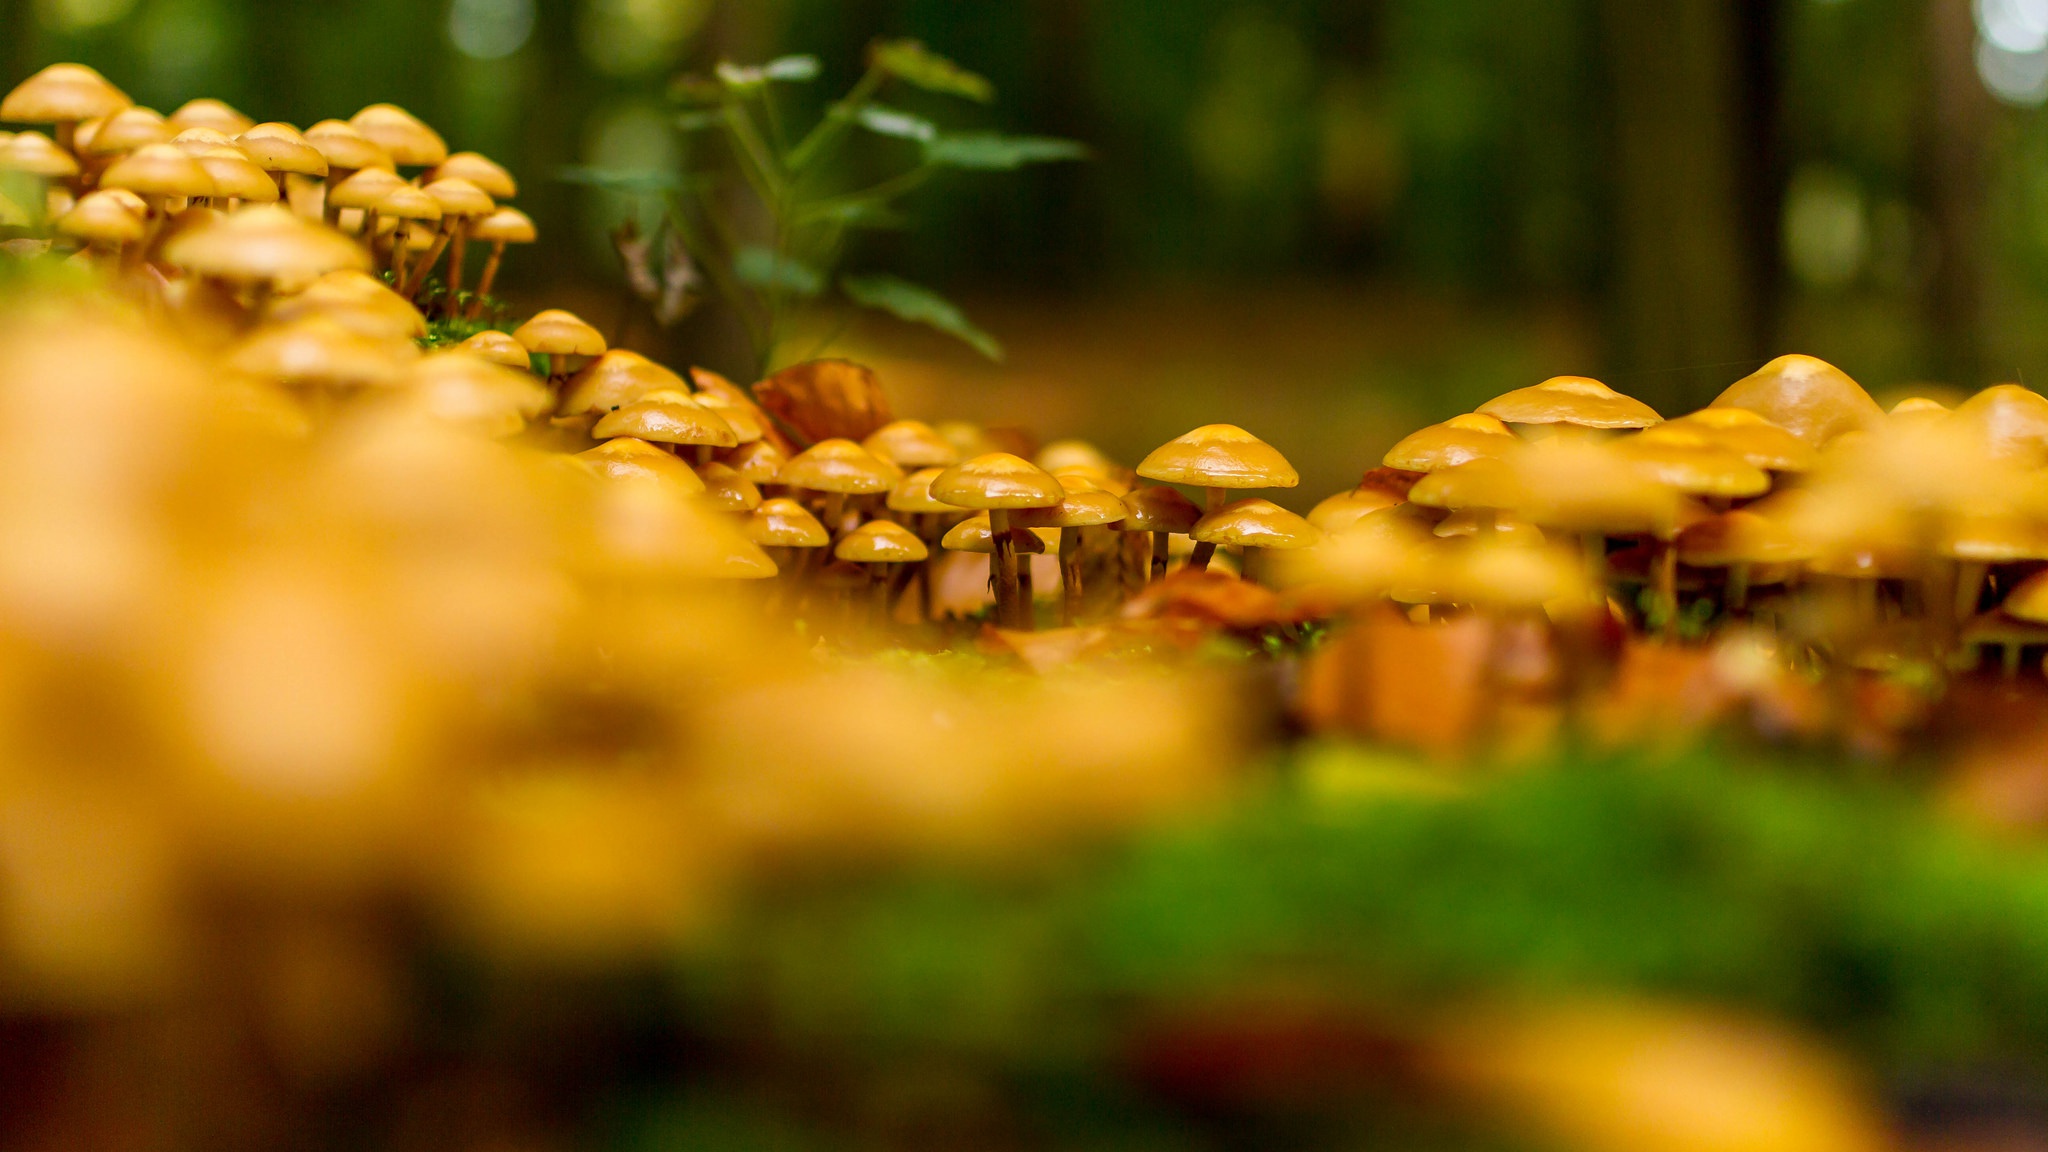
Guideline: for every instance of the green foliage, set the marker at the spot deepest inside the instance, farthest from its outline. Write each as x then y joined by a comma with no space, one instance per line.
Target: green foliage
781,257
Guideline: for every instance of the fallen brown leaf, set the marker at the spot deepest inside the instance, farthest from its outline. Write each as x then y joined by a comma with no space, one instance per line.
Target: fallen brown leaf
824,399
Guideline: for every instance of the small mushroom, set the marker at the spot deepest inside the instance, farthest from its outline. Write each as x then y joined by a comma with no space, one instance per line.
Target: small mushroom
418,217
564,339
627,458
1345,508
32,154
668,417
1459,440
1255,525
347,152
910,445
912,497
1749,436
262,248
104,223
760,462
461,204
216,115
999,483
236,178
1163,512
1569,402
500,348
408,141
505,226
838,469
1082,505
363,191
356,300
613,380
1218,458
881,545
1810,398
465,390
280,150
64,96
728,490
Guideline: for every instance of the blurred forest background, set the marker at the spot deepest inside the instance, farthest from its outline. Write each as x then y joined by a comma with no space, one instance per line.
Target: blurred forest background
1327,220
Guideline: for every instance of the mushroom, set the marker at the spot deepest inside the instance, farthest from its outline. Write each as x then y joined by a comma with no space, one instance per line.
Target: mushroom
1754,548
505,226
1810,398
727,490
356,300
408,141
280,150
466,391
1473,524
263,247
321,359
480,171
236,178
125,131
627,458
838,469
1163,512
912,497
363,191
1082,505
104,223
1076,454
63,95
1570,402
159,173
881,545
2010,421
564,339
32,154
614,379
207,112
461,204
500,348
1459,440
1689,462
1346,507
668,417
745,419
410,208
1000,483
976,534
910,445
783,525
1255,525
347,152
1749,436
760,462
1218,458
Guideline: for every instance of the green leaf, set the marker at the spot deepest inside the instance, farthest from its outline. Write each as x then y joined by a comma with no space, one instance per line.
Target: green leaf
792,69
875,215
618,181
918,305
766,268
913,63
989,151
902,125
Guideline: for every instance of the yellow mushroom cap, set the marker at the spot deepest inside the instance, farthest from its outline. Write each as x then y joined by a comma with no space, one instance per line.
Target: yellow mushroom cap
158,170
1074,454
1692,463
784,523
458,197
1459,440
366,189
913,495
357,300
197,140
1749,436
727,489
839,466
401,134
997,480
559,333
280,148
236,177
974,534
505,226
654,531
1255,523
2003,535
1741,537
1078,508
2029,601
264,243
1917,407
1498,527
317,351
466,390
62,94
2010,421
881,542
759,462
1153,508
207,112
499,348
666,417
406,202
912,444
103,218
744,418
1573,400
1812,399
127,130
1347,507
35,154
625,458
347,149
1219,456
480,171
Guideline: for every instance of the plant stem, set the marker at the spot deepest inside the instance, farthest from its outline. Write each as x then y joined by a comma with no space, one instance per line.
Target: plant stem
836,121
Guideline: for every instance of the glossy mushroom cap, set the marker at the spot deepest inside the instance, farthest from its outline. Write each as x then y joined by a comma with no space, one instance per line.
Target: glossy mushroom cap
1998,535
1741,537
1255,523
1459,440
784,523
127,130
839,466
727,489
505,226
264,244
1347,507
406,202
460,198
997,480
881,542
2029,601
912,444
1748,435
486,174
666,417
1219,456
409,141
1573,400
2010,421
759,462
974,534
35,154
1074,454
280,148
318,352
103,218
206,112
468,391
559,333
235,177
913,495
62,94
1079,508
1154,508
1492,526
625,458
158,170
356,300
500,348
366,189
1691,463
346,148
1810,398
198,140
745,419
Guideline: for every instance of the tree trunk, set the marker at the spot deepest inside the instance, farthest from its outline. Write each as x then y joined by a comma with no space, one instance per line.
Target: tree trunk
1953,153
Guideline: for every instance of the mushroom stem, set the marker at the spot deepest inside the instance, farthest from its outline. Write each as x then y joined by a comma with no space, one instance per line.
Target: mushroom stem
489,277
369,229
1215,499
67,136
1070,576
1738,587
703,455
1969,588
1162,546
417,278
1027,597
329,210
834,514
458,252
1004,560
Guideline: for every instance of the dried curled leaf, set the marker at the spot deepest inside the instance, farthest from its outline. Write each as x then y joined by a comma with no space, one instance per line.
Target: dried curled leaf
1215,598
824,399
1392,481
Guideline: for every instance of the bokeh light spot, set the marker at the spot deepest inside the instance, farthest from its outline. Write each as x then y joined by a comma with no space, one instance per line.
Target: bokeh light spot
490,29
